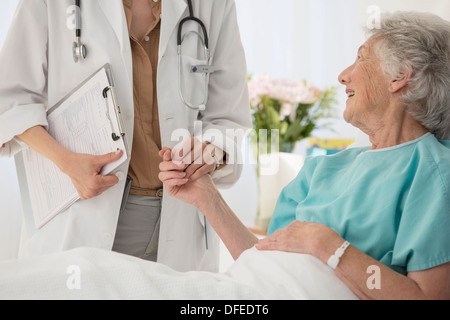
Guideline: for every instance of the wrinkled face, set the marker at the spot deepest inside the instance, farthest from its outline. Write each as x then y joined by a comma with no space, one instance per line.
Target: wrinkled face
367,87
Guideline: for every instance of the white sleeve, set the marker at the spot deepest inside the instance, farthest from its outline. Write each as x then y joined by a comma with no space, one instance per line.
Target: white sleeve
228,105
23,75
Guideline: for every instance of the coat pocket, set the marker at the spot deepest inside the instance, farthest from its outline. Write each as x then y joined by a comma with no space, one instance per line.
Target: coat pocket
193,83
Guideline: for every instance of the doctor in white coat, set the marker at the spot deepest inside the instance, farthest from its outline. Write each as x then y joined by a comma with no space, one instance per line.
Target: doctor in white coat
37,70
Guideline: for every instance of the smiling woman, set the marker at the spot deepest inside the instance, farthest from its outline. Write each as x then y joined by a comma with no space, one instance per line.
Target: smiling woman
367,85
372,201
400,78
396,87
419,49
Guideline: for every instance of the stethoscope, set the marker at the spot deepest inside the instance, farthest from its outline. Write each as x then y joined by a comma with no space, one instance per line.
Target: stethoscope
80,53
78,49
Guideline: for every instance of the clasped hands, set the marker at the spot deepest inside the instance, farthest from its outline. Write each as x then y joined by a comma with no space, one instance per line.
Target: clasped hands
192,183
195,158
189,162
186,171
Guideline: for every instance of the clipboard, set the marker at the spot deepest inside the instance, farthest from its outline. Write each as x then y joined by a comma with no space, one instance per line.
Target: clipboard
87,120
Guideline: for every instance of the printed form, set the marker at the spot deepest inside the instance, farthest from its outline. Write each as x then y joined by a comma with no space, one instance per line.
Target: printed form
83,122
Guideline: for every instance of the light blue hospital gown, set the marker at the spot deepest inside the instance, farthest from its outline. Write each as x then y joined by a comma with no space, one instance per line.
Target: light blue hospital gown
392,204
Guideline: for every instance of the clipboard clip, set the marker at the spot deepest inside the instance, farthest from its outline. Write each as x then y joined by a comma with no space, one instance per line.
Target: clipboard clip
114,135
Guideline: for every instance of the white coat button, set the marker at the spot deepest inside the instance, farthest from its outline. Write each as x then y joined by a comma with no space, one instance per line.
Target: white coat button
147,38
120,175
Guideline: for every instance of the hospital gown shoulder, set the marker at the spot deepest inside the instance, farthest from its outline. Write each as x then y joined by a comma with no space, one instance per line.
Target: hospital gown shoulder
440,151
426,149
344,157
436,154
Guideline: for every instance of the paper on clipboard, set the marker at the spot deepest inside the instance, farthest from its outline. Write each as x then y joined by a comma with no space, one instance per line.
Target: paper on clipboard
83,122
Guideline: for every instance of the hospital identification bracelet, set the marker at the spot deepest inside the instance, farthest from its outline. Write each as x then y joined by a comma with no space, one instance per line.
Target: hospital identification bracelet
334,260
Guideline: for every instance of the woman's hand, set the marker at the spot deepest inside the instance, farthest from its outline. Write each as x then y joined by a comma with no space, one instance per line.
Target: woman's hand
179,185
84,171
303,237
198,158
322,242
203,194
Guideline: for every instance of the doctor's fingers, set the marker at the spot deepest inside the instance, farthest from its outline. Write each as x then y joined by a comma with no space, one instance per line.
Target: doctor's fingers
172,181
190,151
166,154
97,186
171,166
195,172
107,158
171,175
167,164
107,181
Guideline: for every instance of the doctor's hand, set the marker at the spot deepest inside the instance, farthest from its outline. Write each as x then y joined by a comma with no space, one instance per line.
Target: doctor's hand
84,171
182,187
199,158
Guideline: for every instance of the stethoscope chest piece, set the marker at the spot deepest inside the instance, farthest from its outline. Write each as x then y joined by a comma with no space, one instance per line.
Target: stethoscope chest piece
79,51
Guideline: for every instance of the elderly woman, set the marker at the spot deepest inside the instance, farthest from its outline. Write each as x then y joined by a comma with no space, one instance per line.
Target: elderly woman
386,208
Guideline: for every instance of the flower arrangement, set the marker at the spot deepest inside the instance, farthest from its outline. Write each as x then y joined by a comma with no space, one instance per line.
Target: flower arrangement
294,108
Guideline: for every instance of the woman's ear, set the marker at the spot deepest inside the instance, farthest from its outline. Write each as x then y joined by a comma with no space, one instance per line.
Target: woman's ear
402,81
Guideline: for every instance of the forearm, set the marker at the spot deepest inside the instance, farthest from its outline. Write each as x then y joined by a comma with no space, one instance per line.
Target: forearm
365,276
42,142
372,280
236,237
84,170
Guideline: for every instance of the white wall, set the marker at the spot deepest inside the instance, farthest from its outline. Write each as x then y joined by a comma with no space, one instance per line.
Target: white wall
7,8
10,208
297,39
301,40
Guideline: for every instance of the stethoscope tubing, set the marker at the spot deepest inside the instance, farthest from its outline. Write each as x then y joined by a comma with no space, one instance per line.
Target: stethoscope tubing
80,51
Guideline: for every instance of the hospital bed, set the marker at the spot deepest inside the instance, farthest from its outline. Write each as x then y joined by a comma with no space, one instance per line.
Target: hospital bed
92,274
108,275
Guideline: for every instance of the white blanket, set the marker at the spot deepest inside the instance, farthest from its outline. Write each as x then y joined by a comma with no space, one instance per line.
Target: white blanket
96,274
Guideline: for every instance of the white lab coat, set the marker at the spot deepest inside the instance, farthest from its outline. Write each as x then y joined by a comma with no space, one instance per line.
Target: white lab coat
37,70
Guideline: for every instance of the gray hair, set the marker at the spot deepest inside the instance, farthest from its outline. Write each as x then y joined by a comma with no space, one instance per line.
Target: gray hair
419,43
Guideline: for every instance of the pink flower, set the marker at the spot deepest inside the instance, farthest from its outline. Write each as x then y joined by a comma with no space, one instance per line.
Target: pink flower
259,86
287,92
286,110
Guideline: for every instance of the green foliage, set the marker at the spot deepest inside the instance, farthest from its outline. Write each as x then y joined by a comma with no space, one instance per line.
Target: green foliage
293,129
